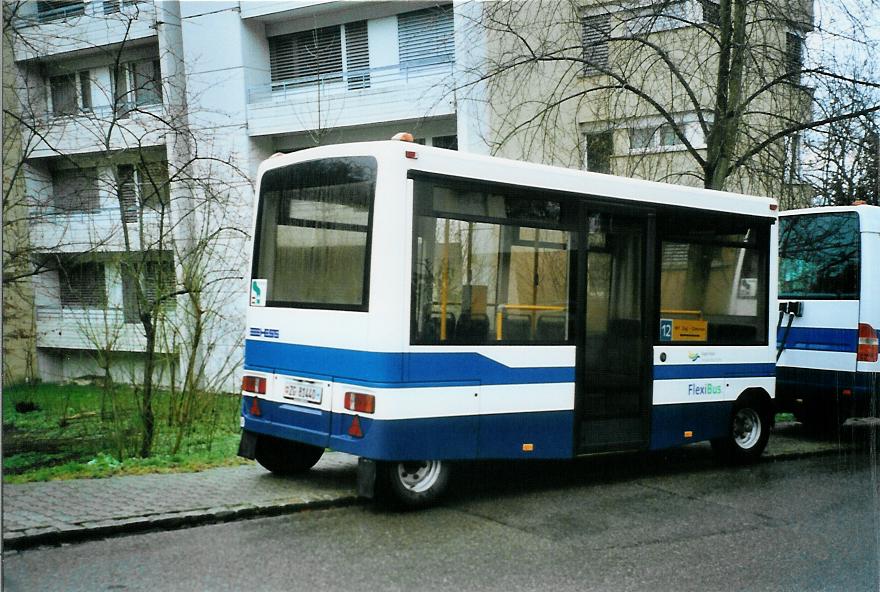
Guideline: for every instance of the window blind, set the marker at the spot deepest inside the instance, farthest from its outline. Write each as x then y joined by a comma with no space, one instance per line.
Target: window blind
75,190
426,36
357,55
596,30
312,54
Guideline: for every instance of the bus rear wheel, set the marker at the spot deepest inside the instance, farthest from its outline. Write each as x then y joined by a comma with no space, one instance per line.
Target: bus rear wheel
285,457
412,484
748,432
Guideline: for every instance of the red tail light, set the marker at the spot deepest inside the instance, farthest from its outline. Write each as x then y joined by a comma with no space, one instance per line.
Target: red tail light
360,402
867,351
253,384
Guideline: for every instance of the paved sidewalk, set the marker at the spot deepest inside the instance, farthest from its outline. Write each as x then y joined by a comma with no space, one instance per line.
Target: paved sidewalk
59,511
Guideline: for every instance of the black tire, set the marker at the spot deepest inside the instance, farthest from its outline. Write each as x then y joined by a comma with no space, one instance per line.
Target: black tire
411,484
284,457
748,432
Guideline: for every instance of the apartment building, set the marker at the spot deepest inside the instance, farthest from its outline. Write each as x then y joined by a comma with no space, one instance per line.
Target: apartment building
632,88
149,119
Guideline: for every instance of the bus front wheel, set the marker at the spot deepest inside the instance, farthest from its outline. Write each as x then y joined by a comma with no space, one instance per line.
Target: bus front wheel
748,432
285,457
412,484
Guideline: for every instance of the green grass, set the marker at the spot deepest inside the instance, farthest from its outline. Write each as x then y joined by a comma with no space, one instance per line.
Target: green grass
81,431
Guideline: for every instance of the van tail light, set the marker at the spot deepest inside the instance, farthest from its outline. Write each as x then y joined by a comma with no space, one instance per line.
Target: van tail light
360,402
867,351
253,384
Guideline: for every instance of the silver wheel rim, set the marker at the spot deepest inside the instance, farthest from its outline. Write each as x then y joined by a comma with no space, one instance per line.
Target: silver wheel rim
419,476
746,428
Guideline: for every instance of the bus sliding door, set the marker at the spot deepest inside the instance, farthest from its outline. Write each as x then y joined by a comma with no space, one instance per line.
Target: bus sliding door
613,406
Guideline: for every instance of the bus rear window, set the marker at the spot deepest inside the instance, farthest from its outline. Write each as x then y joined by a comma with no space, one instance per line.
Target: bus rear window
819,256
313,233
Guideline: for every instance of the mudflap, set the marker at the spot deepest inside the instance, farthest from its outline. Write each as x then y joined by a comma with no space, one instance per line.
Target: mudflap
366,478
247,448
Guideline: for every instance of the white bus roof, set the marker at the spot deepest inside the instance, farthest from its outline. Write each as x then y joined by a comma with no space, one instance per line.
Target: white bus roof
513,172
869,215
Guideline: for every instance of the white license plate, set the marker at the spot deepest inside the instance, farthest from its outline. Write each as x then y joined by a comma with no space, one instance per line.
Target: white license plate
306,392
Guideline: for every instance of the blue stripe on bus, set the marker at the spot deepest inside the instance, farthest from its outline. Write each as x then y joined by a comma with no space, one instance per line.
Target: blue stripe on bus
394,370
424,369
679,371
819,339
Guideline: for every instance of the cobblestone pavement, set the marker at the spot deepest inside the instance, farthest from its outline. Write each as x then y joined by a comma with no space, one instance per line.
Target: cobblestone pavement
53,511
57,511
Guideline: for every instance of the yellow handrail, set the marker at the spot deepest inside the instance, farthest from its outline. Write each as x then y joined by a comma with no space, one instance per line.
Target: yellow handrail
699,313
499,316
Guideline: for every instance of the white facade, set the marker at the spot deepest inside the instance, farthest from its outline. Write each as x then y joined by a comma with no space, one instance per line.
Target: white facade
213,88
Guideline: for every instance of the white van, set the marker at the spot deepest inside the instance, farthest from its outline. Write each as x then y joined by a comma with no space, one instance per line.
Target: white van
829,314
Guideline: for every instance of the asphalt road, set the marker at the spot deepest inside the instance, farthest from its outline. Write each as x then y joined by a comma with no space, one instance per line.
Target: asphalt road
613,523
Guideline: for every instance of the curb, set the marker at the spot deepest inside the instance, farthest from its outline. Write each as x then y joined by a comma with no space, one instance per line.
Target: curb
53,536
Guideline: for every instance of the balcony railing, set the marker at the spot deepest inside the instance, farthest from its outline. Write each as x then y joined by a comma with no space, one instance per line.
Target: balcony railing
352,80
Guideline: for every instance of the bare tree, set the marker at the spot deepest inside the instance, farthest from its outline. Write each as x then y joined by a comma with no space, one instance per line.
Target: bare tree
691,91
148,203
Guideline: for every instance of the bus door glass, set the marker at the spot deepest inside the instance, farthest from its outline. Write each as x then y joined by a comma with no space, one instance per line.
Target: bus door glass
612,349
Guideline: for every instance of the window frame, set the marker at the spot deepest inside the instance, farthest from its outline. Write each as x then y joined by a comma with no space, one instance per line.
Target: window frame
66,290
368,246
567,223
722,224
435,34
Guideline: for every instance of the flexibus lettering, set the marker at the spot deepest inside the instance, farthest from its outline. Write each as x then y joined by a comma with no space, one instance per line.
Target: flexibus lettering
704,389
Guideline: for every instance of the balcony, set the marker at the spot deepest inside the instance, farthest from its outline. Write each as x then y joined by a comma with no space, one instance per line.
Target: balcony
356,98
78,27
97,130
98,230
89,329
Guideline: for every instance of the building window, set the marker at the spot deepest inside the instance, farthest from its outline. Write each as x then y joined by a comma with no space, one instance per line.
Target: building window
306,57
595,31
142,186
145,284
599,148
426,37
50,10
357,55
660,16
113,6
647,139
711,12
71,93
446,142
75,190
82,284
137,84
794,56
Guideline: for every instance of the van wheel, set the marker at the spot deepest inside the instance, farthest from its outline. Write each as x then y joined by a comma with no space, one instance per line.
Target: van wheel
412,484
748,432
285,457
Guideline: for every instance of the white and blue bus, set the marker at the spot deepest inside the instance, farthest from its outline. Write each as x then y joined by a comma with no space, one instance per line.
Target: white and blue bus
415,306
829,290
